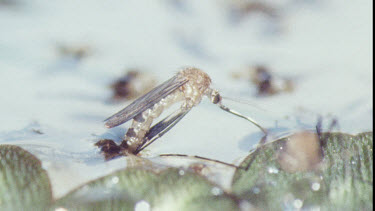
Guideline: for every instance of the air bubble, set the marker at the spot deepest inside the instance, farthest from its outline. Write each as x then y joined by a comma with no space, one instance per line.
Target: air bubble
115,180
216,191
315,186
142,206
273,170
61,209
256,190
298,203
181,172
315,208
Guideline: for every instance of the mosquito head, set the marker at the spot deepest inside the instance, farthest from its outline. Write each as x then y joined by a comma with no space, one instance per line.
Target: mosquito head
215,97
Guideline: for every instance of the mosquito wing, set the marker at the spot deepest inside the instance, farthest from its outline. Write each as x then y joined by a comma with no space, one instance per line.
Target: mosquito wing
145,102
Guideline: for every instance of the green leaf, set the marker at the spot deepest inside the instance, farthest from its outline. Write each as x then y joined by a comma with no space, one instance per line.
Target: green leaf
24,185
340,179
170,189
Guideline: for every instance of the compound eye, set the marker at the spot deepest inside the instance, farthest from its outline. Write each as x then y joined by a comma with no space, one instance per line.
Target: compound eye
216,98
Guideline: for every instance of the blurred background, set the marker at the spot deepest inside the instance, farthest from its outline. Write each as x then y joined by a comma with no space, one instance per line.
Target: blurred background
67,65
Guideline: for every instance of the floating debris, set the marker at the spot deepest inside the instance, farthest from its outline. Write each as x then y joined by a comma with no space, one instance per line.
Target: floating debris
266,82
132,85
10,3
109,147
77,52
241,9
198,168
301,152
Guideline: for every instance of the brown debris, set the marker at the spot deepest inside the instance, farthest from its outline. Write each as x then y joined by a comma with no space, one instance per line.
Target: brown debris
110,149
198,168
302,152
132,85
37,131
75,51
267,83
245,8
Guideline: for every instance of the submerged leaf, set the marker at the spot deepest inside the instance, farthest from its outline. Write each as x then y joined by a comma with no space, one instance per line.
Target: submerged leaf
170,189
24,185
278,176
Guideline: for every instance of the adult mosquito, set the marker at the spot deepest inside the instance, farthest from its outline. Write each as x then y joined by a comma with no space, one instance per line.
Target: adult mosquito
188,86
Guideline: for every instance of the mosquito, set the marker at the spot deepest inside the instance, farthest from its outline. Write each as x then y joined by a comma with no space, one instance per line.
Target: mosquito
189,85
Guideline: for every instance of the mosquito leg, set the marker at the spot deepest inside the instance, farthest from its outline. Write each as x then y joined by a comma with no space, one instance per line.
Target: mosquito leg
200,158
334,124
255,152
318,127
244,117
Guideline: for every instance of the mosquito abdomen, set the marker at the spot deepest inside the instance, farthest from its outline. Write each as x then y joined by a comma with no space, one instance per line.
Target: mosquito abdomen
142,122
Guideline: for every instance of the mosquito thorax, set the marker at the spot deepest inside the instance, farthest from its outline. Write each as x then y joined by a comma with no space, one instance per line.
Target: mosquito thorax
198,84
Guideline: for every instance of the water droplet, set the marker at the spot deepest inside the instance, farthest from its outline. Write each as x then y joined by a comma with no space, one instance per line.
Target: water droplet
142,206
181,172
298,203
85,189
216,191
273,183
256,190
115,180
61,209
273,170
315,186
315,208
